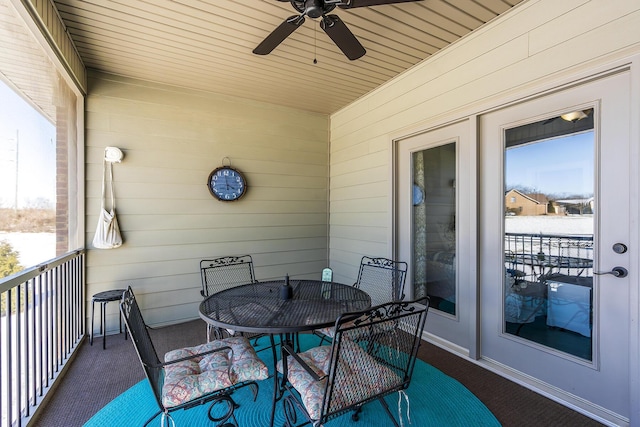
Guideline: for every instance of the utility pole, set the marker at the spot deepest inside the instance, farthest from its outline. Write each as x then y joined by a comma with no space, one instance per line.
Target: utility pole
17,147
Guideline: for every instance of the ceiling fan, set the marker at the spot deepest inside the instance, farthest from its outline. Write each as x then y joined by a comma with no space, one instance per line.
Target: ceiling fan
331,24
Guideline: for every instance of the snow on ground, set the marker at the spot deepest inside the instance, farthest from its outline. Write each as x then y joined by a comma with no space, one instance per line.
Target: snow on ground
550,224
33,248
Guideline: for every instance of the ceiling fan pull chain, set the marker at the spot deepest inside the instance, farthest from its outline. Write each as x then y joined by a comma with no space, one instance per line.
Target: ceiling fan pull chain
315,44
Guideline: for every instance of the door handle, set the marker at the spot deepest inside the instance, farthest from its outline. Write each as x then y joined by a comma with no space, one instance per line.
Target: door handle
618,272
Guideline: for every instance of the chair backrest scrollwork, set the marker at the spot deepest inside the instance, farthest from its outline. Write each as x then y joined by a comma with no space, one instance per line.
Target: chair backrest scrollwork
382,278
225,272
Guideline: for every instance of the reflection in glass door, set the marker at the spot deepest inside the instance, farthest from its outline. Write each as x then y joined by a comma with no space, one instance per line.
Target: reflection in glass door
434,226
548,240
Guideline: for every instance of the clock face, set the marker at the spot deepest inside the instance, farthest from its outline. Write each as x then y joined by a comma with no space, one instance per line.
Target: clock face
418,195
227,184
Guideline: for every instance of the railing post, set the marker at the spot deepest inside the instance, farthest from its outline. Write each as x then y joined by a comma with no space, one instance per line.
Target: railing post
42,324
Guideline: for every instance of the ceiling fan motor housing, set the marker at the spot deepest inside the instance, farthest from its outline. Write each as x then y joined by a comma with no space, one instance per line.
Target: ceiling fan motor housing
312,8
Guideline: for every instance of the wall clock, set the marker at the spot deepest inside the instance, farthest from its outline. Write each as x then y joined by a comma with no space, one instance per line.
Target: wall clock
418,195
227,184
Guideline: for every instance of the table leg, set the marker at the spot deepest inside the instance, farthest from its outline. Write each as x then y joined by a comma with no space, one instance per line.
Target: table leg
278,388
275,380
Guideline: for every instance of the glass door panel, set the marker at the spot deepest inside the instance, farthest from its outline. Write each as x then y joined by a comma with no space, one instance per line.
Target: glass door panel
434,226
549,225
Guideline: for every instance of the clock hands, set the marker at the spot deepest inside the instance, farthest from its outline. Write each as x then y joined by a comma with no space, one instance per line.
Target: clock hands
226,184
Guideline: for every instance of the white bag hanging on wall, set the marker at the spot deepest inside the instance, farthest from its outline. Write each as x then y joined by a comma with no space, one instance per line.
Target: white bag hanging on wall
108,232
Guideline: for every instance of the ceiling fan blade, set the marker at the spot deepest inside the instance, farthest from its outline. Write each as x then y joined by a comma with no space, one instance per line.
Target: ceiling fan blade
350,4
278,35
342,36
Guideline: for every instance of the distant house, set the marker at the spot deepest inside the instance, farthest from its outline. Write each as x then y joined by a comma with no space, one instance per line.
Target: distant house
526,204
574,206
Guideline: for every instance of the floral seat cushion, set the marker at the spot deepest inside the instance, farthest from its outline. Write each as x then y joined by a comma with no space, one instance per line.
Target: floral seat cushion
190,379
359,377
328,331
331,330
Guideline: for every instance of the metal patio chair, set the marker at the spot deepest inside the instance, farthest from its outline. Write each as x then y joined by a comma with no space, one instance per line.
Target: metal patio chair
372,355
192,376
225,272
382,278
222,273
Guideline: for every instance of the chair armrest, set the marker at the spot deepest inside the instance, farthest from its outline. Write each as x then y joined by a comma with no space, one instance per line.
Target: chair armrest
287,348
193,356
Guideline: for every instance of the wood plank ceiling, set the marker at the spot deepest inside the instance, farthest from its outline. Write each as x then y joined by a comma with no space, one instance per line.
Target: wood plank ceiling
207,45
23,65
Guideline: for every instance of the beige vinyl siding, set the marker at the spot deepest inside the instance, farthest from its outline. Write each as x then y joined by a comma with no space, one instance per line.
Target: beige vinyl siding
531,46
172,139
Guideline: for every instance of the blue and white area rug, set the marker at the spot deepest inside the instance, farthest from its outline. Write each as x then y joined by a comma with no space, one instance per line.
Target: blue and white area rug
435,399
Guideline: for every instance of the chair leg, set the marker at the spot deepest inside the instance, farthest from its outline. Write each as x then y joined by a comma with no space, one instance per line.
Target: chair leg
228,414
93,304
355,415
387,410
103,325
151,419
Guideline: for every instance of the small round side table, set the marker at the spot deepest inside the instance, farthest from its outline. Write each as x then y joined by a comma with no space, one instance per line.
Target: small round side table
103,298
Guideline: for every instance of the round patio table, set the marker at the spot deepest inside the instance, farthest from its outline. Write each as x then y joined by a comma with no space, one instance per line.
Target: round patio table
265,307
260,307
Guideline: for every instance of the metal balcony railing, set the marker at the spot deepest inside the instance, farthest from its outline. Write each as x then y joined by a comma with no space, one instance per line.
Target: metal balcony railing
41,324
536,255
